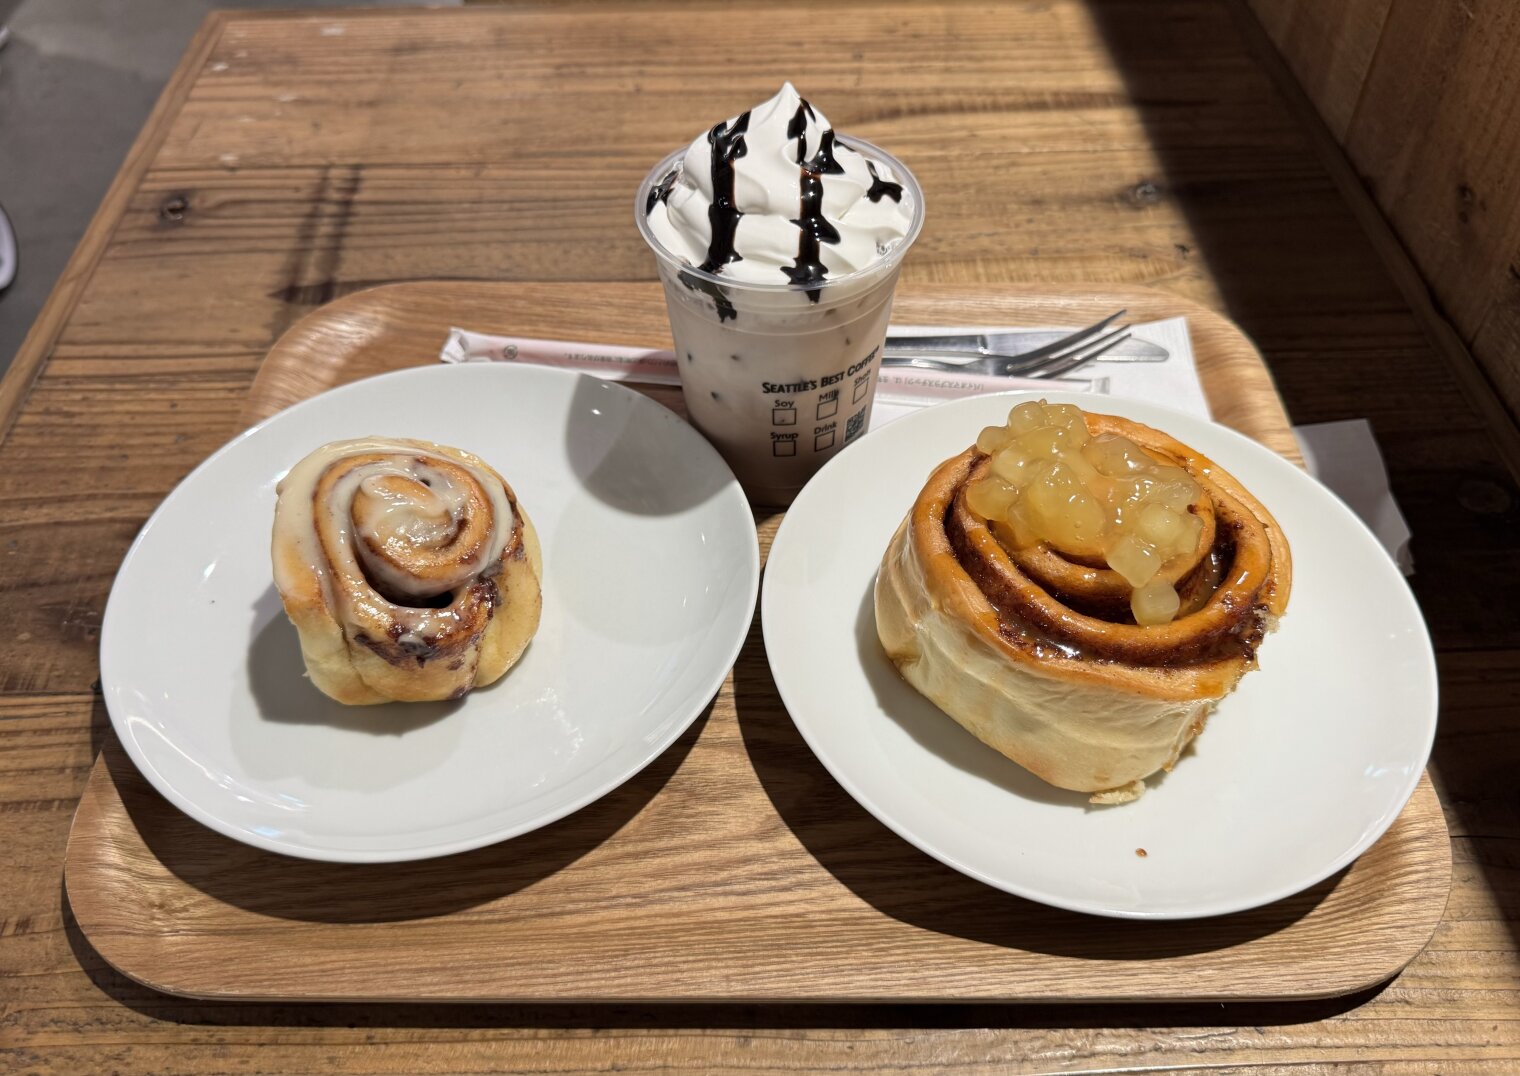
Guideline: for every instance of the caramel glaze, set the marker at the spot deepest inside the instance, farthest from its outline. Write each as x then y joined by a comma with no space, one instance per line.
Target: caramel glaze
1050,605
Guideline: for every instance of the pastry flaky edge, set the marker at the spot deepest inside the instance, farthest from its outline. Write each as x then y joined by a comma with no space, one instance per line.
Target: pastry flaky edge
360,674
1080,724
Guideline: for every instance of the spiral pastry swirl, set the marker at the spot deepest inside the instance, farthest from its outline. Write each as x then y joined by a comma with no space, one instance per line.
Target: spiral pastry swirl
408,569
1041,651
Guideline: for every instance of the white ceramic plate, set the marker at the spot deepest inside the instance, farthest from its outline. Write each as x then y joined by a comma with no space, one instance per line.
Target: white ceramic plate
1299,771
651,569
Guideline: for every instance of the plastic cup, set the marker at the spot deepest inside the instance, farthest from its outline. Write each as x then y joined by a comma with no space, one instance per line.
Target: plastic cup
780,377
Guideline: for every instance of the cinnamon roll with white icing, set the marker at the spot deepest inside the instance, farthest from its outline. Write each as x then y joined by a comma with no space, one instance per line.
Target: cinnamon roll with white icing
408,568
1079,592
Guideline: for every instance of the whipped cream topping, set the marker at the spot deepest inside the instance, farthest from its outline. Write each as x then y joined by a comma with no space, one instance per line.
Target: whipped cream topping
770,197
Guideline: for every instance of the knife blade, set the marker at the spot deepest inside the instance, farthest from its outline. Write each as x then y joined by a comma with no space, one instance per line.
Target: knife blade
1017,343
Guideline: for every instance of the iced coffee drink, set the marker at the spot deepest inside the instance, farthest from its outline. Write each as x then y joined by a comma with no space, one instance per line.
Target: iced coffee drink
779,244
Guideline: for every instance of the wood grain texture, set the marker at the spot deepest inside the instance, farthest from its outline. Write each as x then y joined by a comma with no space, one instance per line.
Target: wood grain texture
1436,136
1330,48
1443,337
734,869
60,303
1425,99
1110,142
788,892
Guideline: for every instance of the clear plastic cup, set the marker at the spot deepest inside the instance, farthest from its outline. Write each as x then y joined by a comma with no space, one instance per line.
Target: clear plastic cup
777,380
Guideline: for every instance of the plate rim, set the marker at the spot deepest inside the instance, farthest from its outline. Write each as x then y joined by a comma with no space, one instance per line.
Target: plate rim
658,747
1093,907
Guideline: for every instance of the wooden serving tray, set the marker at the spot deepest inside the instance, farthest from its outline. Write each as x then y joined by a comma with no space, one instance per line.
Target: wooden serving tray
733,868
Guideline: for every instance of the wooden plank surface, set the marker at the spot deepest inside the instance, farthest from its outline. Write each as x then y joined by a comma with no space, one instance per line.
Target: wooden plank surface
1425,98
1330,48
750,895
1058,141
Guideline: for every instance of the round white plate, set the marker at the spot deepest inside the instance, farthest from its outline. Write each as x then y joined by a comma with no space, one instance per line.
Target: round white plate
651,569
1299,771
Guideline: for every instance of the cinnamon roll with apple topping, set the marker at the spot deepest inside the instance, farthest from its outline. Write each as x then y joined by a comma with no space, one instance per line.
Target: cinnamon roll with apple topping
1080,591
408,568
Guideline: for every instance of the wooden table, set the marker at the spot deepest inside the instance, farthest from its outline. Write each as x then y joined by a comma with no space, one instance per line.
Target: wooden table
297,158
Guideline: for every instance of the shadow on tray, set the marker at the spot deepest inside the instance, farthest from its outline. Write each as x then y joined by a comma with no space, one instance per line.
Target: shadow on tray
899,880
300,889
875,863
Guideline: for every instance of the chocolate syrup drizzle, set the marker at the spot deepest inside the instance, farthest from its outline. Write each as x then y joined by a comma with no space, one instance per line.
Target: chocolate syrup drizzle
728,145
660,192
797,127
881,186
727,142
813,227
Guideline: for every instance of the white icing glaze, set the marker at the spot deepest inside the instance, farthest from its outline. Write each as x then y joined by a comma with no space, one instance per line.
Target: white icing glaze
423,516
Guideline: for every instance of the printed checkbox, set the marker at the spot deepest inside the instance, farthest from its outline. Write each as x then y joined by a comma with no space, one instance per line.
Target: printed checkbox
862,386
823,441
828,406
784,448
784,416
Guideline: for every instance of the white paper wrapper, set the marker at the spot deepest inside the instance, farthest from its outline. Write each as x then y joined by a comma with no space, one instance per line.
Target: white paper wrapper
900,390
1345,457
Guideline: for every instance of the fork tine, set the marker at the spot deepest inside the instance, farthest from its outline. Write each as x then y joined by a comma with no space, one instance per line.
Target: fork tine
982,362
1021,365
1063,346
1018,365
1067,363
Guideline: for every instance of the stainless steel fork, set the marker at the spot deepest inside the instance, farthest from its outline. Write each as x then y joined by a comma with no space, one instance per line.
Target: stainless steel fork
1052,360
